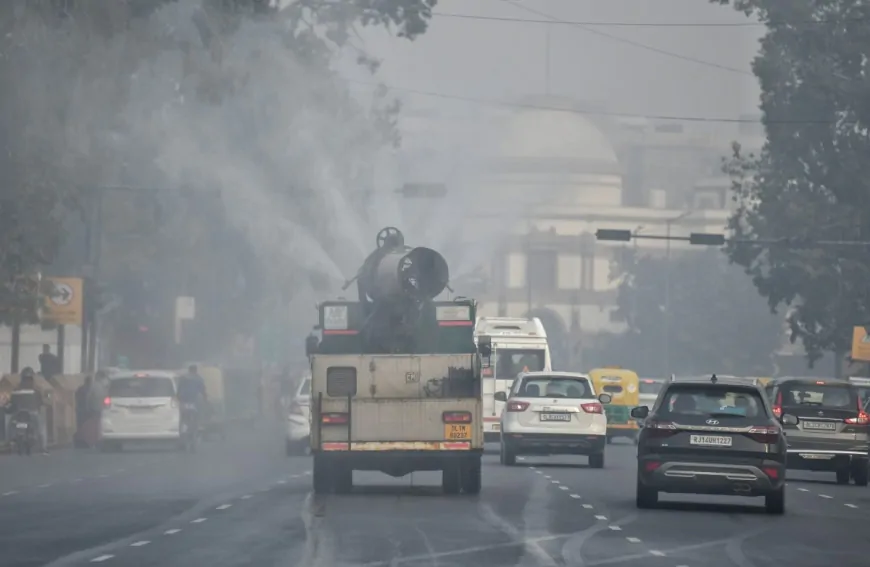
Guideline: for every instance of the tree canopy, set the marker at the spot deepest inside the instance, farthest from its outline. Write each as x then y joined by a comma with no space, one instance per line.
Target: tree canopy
811,180
718,322
246,156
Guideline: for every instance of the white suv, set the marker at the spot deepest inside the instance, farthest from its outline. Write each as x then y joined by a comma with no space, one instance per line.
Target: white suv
553,413
298,417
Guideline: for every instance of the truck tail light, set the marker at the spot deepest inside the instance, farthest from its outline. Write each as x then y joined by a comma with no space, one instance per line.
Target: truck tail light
333,418
456,417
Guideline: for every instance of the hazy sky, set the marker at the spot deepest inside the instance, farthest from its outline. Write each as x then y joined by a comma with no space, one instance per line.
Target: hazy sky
504,60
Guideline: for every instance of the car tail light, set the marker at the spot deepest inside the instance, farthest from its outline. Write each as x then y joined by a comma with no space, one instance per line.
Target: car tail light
650,466
777,406
592,407
764,434
517,406
862,419
107,402
771,472
456,417
660,428
334,418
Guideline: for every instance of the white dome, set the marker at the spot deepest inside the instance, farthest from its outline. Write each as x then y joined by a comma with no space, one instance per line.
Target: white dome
549,134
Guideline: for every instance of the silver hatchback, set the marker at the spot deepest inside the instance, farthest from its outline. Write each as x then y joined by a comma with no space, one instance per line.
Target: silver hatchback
833,433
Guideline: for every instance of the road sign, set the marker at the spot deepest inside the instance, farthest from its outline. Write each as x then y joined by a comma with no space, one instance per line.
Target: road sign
185,308
860,344
64,301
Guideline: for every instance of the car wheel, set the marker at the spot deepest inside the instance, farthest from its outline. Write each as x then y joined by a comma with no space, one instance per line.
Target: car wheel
646,497
471,477
507,457
774,503
596,461
860,474
843,476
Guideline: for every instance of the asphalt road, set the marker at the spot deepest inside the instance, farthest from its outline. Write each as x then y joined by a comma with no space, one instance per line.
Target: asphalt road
243,502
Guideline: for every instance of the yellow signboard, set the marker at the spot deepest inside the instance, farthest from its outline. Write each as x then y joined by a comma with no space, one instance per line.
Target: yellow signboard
860,344
64,301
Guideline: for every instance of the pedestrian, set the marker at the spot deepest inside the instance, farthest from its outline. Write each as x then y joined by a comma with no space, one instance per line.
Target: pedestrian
49,364
28,397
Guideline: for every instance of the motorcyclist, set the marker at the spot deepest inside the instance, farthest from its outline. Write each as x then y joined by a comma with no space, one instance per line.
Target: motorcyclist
191,390
28,397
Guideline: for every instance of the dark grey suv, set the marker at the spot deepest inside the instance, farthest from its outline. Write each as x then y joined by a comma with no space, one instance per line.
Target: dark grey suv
833,433
711,436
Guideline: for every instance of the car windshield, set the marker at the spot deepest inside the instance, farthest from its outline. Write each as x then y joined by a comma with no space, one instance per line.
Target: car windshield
554,387
713,401
820,395
304,388
511,361
650,387
150,387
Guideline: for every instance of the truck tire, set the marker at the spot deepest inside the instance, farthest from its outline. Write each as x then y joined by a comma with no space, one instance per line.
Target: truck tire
342,479
451,478
322,482
471,476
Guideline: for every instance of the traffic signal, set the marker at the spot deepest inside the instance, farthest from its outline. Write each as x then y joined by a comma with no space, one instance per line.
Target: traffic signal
707,239
613,235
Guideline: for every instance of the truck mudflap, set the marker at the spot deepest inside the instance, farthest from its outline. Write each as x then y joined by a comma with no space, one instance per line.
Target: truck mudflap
398,446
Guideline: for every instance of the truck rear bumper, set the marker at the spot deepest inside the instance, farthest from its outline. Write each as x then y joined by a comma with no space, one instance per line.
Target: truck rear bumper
394,462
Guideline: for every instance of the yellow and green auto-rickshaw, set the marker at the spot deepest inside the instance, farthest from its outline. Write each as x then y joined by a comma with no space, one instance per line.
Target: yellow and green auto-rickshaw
623,387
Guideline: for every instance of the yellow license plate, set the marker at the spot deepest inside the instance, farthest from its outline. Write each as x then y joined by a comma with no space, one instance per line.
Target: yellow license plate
455,432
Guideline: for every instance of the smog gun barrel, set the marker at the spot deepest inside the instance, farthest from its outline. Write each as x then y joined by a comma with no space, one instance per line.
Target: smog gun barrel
394,282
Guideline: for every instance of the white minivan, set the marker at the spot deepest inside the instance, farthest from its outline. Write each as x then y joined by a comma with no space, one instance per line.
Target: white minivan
140,406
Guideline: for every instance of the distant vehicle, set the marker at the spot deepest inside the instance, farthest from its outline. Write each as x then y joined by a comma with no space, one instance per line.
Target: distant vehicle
553,413
711,437
623,386
863,385
140,406
649,389
834,430
519,345
298,419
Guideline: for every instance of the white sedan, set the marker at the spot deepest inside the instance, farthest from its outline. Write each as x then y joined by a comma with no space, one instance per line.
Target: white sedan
298,419
553,413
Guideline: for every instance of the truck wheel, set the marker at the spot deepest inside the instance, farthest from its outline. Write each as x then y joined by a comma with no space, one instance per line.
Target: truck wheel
471,477
343,479
843,476
321,475
451,479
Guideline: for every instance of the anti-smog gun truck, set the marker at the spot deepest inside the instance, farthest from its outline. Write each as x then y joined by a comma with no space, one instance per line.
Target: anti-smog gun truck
396,382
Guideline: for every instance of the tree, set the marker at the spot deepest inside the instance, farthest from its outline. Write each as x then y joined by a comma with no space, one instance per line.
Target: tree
236,98
718,323
811,180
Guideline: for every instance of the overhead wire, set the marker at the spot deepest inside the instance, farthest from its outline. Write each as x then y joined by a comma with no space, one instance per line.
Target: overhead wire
591,30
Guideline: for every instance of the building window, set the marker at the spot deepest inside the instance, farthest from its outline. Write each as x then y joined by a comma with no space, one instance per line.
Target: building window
542,269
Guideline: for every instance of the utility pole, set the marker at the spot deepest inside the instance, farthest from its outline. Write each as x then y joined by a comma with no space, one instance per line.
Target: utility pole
547,41
667,318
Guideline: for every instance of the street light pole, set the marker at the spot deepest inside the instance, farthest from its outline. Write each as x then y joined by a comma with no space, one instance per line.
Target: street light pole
667,321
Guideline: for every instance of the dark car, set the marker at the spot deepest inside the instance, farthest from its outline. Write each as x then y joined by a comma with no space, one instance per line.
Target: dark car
711,436
833,433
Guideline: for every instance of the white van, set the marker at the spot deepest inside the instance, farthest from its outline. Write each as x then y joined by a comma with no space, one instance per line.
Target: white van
140,406
518,345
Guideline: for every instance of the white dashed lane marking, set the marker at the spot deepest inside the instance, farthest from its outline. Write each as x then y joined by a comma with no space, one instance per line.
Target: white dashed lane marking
826,496
101,558
10,493
563,488
633,539
575,496
198,520
139,543
657,553
171,532
224,506
615,528
600,517
588,506
850,505
803,489
246,497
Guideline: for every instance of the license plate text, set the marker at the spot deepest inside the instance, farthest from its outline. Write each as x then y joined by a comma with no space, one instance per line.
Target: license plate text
456,431
555,417
711,440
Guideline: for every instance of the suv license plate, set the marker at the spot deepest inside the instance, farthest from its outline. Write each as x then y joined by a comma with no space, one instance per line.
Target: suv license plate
710,440
555,417
820,425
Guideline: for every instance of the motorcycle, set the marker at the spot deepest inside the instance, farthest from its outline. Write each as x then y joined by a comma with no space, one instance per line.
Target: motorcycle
189,427
24,432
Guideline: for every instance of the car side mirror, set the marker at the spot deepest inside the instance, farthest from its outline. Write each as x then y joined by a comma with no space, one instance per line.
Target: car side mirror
605,398
640,412
500,397
789,419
